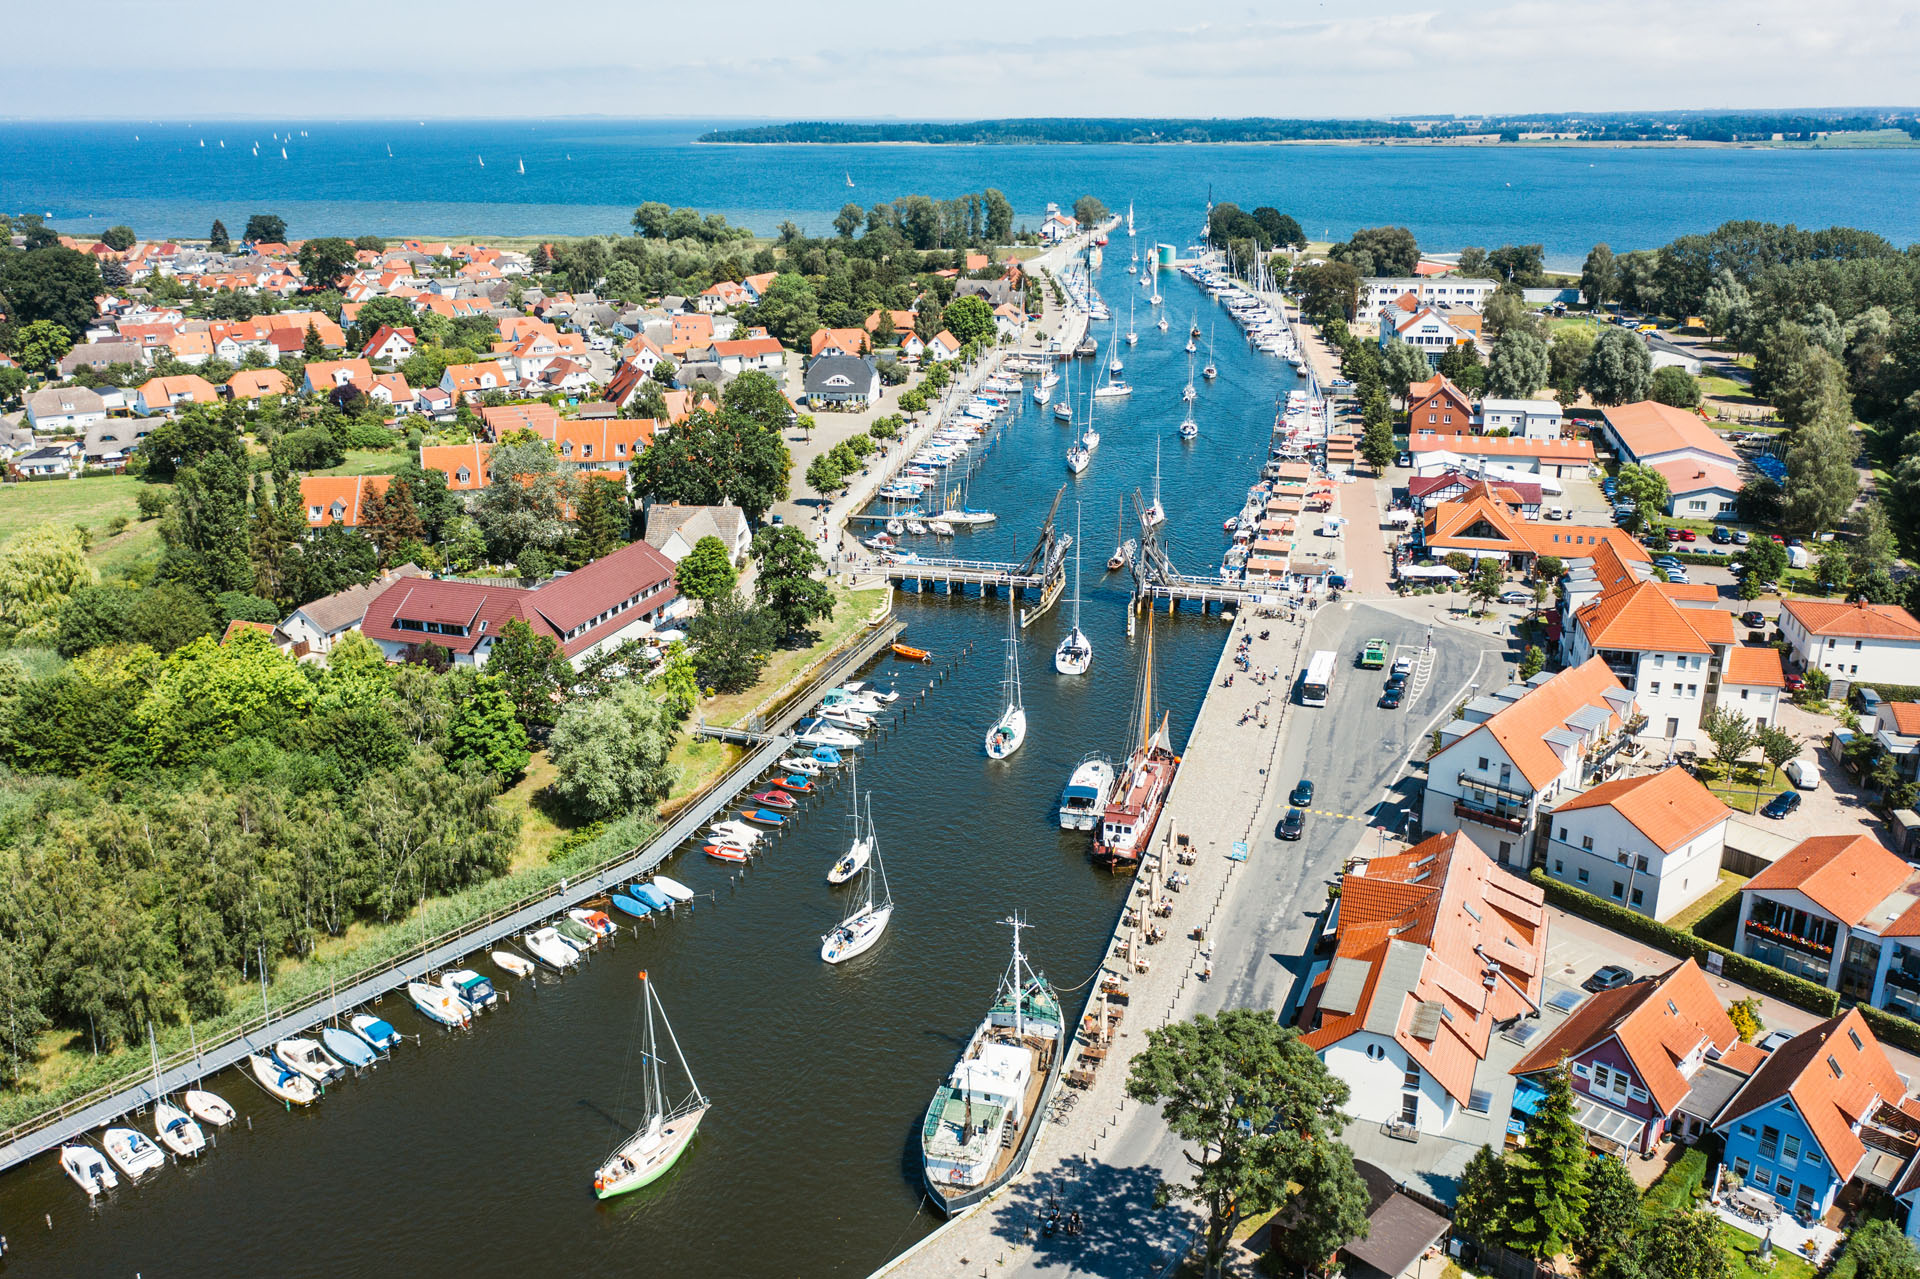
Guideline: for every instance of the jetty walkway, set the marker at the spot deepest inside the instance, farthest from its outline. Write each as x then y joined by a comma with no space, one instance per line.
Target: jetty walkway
261,1032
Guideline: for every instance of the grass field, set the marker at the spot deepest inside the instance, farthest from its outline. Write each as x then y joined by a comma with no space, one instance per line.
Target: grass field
370,462
850,612
93,502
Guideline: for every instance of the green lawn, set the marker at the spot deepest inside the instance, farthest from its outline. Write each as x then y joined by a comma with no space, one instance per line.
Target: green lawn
93,501
850,612
1677,1190
1743,1248
1726,890
1725,388
370,462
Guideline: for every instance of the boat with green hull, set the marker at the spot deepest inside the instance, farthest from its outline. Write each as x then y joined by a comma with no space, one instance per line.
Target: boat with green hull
668,1129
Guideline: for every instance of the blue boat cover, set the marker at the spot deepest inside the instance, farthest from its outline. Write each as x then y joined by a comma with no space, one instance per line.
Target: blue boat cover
826,754
652,896
346,1045
380,1033
623,902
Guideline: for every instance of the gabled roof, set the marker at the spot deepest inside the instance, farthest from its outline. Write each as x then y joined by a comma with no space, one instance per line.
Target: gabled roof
251,384
344,609
1844,875
1648,428
1684,476
1658,1022
1859,620
1434,945
346,493
449,459
539,417
1434,385
1833,1083
1906,716
1668,807
1640,618
1521,729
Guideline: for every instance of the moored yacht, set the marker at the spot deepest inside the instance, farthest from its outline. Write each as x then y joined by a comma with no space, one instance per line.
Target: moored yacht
868,916
1085,797
1140,790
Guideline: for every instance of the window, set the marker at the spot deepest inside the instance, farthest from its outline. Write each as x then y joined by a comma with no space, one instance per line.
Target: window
1762,1178
1790,1150
1746,1130
1654,688
1743,694
1376,1053
1563,834
1583,874
1619,890
1586,842
1559,867
1854,1037
1640,863
1834,1066
1741,1168
1483,763
1412,1077
1637,897
1769,1142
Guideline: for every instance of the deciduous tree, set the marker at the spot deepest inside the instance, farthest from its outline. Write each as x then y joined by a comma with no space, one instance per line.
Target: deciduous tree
39,570
1599,277
1618,369
731,640
53,283
1674,385
787,585
610,754
1519,367
265,228
706,571
483,726
532,670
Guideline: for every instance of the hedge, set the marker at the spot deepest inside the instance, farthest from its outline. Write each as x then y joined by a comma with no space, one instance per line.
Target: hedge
1887,692
1748,972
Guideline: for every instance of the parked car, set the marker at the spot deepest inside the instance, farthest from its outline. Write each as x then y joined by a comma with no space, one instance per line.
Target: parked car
1302,795
1742,537
1795,682
1404,459
1803,773
1403,666
1607,977
1720,536
1685,534
1753,618
1336,581
1292,825
1666,561
1391,699
1516,597
1773,1039
1782,804
1679,577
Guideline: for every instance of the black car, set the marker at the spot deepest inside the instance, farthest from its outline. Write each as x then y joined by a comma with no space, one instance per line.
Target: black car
1753,618
1391,699
1720,537
1397,680
1302,796
1404,459
1607,977
1292,824
1782,804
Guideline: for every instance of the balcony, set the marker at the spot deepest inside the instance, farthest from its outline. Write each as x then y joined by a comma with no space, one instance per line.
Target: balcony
1521,795
1904,980
1781,937
1487,817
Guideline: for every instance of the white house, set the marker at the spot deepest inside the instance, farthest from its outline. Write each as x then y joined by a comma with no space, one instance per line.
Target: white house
1058,227
1861,642
1842,911
1433,948
1439,290
1650,843
65,409
1655,649
674,530
1701,469
60,458
1514,752
1425,328
321,623
1529,419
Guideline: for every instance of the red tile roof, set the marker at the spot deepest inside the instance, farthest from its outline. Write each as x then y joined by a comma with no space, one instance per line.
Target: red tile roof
346,493
1521,728
1833,1085
1906,717
1640,618
1844,875
1668,807
1859,620
1755,665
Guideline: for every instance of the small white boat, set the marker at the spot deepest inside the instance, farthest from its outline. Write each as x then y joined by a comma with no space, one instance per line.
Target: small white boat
673,888
896,528
514,965
1075,652
940,528
132,1152
595,921
177,1131
1010,730
848,717
867,917
1085,797
737,832
436,1003
802,765
819,733
208,1108
547,946
377,1031
916,528
1078,457
1162,324
470,989
288,1085
88,1168
307,1057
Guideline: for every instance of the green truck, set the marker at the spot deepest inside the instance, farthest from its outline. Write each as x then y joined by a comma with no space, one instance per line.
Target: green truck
1374,656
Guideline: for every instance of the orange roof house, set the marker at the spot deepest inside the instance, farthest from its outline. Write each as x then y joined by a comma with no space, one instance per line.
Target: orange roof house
539,417
1432,947
849,341
464,465
1844,877
338,499
1671,831
1481,525
254,384
473,379
323,376
1438,405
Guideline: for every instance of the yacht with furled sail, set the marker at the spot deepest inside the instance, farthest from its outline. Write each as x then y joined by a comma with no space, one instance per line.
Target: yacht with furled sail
1210,372
668,1128
1155,514
868,916
854,860
1004,738
983,1120
1140,791
1075,653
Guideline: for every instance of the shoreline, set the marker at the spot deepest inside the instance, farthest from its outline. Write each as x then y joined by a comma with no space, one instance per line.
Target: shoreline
1478,142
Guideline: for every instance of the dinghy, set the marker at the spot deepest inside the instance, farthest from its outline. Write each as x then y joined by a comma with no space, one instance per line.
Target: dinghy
725,853
306,1056
289,1086
595,920
765,816
208,1108
622,902
347,1046
437,1004
513,965
576,934
177,1131
673,888
88,1168
549,948
470,988
376,1031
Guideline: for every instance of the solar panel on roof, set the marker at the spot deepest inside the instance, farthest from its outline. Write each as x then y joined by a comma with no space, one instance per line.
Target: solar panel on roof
1566,1001
1523,1033
1480,1102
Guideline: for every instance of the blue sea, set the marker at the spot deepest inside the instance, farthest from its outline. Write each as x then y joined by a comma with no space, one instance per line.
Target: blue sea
585,175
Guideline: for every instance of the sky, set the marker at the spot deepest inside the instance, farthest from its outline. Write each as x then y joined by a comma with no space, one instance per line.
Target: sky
838,60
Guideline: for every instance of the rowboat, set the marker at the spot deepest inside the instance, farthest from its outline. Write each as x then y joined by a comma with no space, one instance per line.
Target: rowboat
88,1168
775,799
376,1031
514,964
132,1151
798,785
551,949
176,1130
347,1046
765,816
912,654
631,906
208,1108
673,888
725,852
289,1086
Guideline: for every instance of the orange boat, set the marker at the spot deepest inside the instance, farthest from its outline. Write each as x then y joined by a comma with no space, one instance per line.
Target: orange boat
911,653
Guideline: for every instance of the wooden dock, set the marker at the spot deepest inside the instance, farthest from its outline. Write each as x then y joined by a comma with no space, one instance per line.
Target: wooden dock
985,579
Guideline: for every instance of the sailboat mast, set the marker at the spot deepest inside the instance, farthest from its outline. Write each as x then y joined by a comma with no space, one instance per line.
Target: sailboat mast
1076,567
1146,686
886,893
656,1100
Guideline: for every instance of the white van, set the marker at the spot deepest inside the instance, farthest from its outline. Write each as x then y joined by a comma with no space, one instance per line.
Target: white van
1804,774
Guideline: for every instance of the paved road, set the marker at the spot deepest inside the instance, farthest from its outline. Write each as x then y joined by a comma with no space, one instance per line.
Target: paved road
1261,931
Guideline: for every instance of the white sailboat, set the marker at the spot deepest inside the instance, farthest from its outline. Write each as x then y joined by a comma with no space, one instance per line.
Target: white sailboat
1156,513
1209,372
1010,730
854,860
1189,429
667,1131
523,167
1115,365
1113,387
174,1126
868,918
1129,217
1189,394
1132,337
1075,653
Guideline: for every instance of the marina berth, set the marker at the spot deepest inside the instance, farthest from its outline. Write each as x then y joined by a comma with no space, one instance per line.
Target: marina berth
289,1086
208,1108
132,1152
177,1131
347,1047
88,1168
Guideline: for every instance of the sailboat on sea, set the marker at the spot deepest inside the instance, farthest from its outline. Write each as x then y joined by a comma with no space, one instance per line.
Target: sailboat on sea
1113,388
1129,217
1209,372
1075,653
667,1130
1004,738
1132,337
1140,792
867,917
1155,514
523,168
1189,429
1123,547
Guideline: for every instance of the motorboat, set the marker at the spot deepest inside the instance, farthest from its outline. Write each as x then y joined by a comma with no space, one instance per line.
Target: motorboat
867,916
347,1046
88,1168
307,1057
778,800
1075,652
724,852
668,1127
575,933
513,965
860,688
207,1107
803,766
940,528
473,990
849,718
436,1003
839,699
817,732
654,899
378,1032
1010,730
547,946
593,921
177,1131
732,832
764,816
916,528
289,1086
1085,797
796,784
630,905
673,888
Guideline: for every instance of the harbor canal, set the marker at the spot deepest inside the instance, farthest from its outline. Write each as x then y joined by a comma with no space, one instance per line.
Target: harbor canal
472,1153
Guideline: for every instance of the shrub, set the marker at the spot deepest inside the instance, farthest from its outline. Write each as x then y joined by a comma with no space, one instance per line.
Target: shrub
152,502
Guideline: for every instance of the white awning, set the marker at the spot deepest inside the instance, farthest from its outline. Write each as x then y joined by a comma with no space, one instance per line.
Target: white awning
1606,1123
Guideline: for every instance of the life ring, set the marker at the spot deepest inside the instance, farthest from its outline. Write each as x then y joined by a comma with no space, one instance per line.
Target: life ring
599,1184
957,1177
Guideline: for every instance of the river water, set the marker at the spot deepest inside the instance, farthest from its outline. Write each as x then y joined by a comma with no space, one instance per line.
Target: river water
472,1153
584,176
